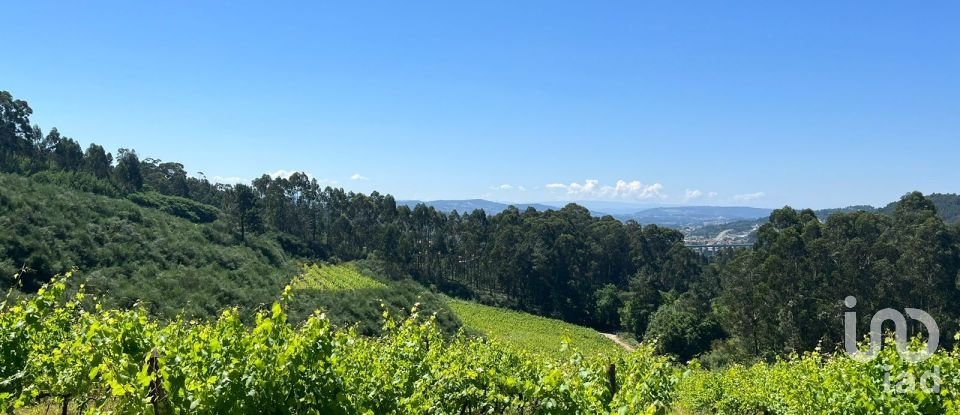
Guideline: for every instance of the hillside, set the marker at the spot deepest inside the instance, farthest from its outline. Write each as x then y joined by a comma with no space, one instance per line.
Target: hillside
357,294
129,253
529,332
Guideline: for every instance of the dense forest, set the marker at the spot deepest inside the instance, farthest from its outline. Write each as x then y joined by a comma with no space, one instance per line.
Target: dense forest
783,295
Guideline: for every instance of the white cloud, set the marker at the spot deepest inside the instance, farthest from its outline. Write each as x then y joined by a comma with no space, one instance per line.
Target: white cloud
746,197
358,176
712,195
637,190
692,194
591,188
507,186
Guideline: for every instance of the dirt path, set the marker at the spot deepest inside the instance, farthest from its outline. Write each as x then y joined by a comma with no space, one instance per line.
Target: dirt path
617,340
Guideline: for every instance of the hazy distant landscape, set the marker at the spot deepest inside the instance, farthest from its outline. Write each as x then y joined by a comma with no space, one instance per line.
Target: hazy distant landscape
674,216
699,224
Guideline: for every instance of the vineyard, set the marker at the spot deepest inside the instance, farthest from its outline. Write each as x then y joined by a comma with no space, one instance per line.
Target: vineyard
530,332
70,354
55,352
356,294
815,384
334,278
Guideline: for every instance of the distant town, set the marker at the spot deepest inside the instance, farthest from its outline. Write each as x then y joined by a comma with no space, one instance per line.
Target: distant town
709,240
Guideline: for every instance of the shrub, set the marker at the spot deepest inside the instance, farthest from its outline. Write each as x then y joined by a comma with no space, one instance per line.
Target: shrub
178,206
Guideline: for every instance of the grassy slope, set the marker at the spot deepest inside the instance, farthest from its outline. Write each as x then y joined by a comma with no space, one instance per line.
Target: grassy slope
530,332
353,293
356,294
128,253
334,278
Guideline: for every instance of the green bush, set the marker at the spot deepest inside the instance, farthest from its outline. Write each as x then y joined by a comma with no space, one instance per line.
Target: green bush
80,181
683,327
178,206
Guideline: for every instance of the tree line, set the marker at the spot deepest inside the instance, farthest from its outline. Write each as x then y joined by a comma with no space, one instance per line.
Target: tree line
785,294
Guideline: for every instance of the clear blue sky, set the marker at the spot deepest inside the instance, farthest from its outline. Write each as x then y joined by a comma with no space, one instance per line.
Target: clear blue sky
812,104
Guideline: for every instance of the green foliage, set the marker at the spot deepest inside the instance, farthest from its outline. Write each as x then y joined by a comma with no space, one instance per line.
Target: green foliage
129,253
97,161
529,332
817,384
334,278
947,205
127,173
683,327
785,295
608,304
16,135
642,301
241,203
351,295
101,361
176,206
77,181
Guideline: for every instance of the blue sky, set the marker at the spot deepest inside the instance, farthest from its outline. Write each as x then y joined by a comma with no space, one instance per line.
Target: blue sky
812,104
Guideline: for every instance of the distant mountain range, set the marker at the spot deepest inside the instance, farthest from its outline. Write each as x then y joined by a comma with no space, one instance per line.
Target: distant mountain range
602,207
469,205
674,216
707,218
947,204
686,216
